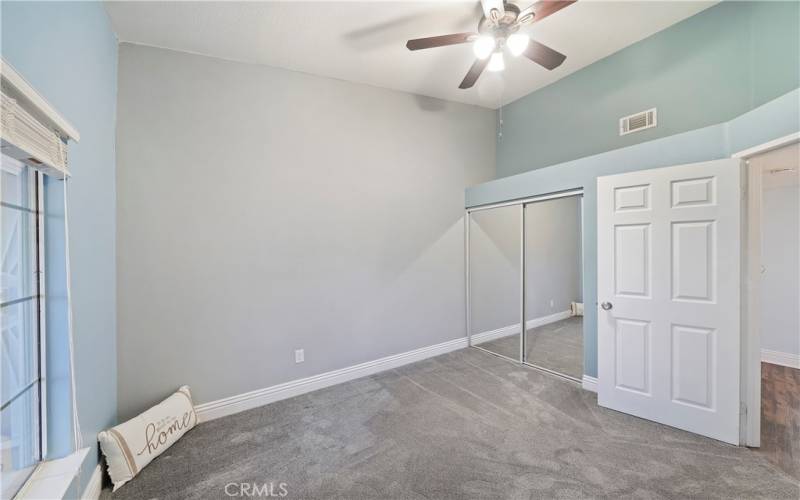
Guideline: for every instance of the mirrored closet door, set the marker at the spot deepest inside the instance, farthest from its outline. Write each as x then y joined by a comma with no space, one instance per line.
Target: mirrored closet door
495,249
553,286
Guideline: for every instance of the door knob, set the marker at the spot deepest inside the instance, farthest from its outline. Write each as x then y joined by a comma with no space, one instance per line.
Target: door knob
606,305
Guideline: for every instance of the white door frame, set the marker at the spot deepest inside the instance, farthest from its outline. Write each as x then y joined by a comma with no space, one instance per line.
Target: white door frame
751,293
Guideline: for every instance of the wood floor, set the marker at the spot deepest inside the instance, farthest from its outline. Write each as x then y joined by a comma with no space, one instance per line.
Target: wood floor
780,417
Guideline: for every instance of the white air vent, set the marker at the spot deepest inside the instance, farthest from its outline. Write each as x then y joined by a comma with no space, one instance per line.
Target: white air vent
637,122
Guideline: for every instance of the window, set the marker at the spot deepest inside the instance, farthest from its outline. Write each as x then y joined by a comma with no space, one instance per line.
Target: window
21,313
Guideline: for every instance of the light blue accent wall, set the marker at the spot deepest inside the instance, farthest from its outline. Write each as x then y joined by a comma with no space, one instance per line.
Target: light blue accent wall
772,120
68,52
707,69
59,395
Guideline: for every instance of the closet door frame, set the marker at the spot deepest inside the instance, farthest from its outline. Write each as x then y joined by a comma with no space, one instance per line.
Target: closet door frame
468,281
578,194
521,203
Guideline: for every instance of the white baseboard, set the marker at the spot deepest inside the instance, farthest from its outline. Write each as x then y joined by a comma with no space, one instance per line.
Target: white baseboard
589,383
507,331
780,358
260,397
95,485
551,318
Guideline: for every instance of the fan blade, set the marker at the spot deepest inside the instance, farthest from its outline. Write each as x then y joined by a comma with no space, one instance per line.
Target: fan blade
542,9
544,55
489,5
439,41
474,72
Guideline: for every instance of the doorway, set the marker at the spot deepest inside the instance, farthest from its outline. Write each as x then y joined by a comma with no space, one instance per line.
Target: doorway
525,262
775,174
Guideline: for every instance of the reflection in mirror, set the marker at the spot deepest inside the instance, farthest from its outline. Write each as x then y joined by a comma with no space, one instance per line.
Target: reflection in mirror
494,266
553,286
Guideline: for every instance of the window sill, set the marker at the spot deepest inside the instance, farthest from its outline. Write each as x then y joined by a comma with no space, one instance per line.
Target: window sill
52,478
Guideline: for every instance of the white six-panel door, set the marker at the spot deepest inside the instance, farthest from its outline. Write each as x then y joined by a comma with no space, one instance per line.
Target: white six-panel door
669,296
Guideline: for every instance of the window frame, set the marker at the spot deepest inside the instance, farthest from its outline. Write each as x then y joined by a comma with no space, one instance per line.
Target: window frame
35,186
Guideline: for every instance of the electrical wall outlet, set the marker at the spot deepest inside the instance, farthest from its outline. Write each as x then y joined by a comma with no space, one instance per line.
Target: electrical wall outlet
552,303
299,355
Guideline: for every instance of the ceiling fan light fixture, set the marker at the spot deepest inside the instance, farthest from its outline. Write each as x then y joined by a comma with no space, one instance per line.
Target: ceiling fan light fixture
496,63
499,25
517,43
483,46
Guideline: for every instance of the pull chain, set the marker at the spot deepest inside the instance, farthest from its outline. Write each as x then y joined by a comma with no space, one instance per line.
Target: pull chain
500,114
500,123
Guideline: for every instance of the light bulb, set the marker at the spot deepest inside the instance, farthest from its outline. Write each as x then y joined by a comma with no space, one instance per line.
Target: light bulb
517,43
496,63
483,46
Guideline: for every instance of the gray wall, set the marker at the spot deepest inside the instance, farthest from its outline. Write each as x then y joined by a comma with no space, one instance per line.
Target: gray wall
552,256
707,69
552,262
780,245
263,210
494,246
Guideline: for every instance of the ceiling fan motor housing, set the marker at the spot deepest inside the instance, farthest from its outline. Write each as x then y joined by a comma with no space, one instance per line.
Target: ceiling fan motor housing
505,25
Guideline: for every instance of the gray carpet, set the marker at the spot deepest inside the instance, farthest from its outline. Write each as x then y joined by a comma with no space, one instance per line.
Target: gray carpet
556,346
463,425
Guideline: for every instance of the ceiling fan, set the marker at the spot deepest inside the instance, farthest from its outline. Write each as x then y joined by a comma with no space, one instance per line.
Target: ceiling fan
498,28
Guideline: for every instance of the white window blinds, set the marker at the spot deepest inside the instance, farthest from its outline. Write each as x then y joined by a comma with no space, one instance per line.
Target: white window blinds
28,140
31,130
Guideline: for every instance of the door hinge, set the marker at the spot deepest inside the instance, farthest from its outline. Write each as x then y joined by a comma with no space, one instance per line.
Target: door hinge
742,408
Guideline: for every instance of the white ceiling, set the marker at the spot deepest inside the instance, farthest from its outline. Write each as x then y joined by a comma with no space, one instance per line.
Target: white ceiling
364,42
